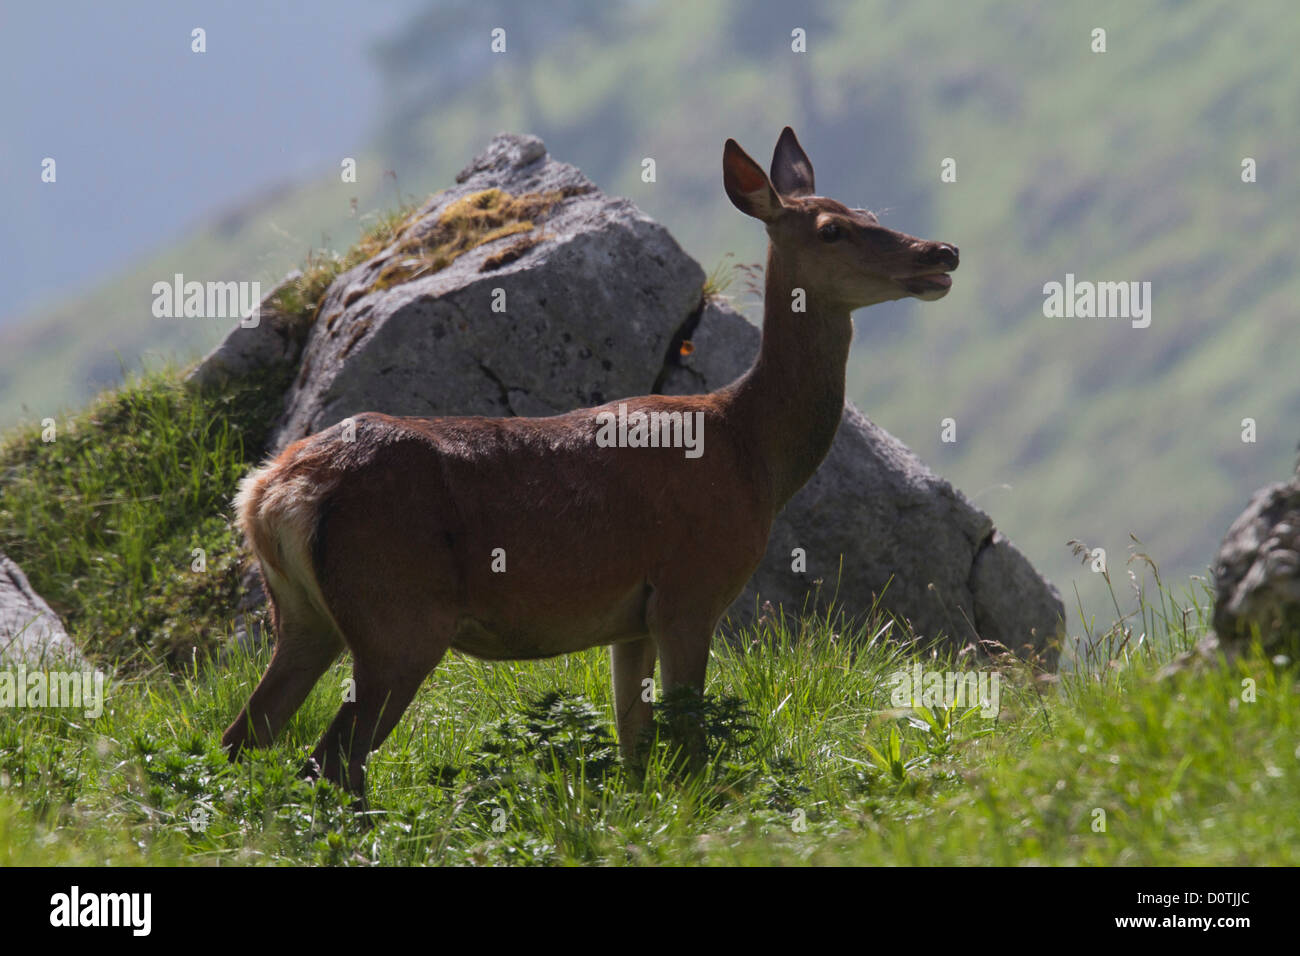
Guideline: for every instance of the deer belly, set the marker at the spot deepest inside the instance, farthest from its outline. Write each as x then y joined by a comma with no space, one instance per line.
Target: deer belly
563,625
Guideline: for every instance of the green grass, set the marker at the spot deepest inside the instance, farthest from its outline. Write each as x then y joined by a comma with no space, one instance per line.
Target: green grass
1184,770
810,758
106,517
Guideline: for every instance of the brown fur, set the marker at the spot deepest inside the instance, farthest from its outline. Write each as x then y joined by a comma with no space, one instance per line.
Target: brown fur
385,544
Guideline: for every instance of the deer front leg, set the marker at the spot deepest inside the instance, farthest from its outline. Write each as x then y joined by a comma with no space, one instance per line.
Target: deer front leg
683,642
632,663
683,639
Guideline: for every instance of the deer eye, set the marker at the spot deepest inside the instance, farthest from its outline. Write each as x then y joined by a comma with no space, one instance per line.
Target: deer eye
830,232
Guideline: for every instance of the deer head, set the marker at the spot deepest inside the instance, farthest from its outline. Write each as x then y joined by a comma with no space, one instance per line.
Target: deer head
845,256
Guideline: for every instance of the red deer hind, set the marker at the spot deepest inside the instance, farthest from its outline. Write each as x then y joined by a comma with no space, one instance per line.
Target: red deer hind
385,545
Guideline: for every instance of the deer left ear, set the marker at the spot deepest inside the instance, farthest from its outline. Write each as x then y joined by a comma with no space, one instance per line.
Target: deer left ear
747,185
792,171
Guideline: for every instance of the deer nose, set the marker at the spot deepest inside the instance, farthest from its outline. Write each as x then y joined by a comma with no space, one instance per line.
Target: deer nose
941,255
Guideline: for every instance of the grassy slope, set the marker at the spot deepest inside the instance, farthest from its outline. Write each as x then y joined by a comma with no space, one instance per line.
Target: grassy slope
1185,770
106,517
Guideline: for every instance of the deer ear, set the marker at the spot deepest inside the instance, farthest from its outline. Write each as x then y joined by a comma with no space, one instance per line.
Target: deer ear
747,185
792,171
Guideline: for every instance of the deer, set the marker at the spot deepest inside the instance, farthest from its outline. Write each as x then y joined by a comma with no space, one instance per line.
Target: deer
525,538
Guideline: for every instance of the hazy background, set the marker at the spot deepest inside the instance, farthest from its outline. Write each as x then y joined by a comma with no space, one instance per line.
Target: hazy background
1116,166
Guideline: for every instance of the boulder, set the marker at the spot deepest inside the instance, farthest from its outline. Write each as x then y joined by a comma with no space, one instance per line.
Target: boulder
579,309
524,290
1257,572
30,633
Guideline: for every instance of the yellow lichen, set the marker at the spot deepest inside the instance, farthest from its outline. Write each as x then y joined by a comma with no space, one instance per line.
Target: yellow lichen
465,224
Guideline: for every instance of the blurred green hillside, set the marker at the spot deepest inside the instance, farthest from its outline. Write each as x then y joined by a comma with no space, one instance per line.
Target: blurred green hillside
1115,166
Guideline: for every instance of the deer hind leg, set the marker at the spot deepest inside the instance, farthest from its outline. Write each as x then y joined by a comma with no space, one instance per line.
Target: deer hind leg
306,643
632,663
394,648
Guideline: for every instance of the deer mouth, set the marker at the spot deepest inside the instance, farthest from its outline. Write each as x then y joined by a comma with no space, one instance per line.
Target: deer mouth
934,285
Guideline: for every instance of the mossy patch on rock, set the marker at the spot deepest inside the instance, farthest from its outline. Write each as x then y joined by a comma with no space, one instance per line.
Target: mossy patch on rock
306,290
469,222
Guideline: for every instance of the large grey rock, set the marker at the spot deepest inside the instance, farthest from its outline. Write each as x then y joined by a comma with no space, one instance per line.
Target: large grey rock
589,311
599,299
1257,572
30,633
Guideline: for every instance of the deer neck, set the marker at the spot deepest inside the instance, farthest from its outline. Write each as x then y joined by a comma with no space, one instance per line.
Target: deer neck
792,398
